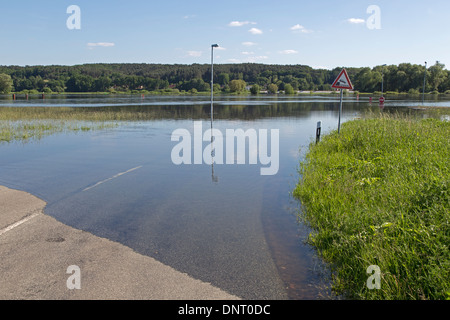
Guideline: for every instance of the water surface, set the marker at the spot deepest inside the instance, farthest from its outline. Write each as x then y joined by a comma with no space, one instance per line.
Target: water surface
223,224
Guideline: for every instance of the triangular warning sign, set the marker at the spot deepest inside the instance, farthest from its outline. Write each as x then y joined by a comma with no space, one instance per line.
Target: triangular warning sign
342,81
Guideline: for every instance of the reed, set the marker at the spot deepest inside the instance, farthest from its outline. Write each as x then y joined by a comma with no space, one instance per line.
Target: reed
26,124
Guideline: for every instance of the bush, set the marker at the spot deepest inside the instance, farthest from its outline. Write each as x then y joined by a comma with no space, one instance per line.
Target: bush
6,83
272,88
255,89
413,91
237,85
288,89
58,89
226,89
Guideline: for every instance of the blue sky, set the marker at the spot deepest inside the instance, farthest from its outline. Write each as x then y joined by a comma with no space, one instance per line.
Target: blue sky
320,33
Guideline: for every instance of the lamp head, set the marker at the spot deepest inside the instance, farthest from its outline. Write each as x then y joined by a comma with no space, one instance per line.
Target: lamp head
214,45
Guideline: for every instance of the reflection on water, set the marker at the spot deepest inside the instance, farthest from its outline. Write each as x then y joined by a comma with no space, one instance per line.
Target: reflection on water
93,100
236,111
214,178
223,224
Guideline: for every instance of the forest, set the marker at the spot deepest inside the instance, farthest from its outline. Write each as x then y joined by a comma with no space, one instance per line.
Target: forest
228,78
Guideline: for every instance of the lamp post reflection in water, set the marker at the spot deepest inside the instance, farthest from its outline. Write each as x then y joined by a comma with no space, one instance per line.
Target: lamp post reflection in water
213,177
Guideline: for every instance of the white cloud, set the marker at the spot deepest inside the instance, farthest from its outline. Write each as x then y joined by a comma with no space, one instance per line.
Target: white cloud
194,53
239,23
298,28
356,20
100,44
234,60
249,43
255,31
256,59
288,51
247,52
322,67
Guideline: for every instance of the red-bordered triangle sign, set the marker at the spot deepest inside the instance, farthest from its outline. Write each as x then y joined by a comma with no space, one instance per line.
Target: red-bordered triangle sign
342,81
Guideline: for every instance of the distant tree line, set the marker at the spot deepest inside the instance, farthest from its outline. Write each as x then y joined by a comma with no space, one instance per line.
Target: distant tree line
193,78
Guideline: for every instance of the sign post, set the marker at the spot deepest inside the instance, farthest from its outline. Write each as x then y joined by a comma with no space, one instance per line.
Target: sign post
340,111
342,82
318,130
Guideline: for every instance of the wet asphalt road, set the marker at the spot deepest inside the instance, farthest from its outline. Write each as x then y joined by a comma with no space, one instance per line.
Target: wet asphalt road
116,186
42,258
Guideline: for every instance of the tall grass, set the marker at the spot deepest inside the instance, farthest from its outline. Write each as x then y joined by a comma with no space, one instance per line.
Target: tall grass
25,124
78,113
27,130
377,194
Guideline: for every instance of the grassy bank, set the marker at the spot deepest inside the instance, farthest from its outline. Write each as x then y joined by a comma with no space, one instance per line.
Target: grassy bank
377,194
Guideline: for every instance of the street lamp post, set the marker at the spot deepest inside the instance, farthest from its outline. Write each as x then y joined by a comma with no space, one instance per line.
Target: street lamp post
212,80
424,82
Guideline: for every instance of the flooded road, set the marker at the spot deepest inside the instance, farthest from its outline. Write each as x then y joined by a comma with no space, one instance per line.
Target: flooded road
225,224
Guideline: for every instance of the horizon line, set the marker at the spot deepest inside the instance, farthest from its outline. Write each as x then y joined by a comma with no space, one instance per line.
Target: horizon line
195,63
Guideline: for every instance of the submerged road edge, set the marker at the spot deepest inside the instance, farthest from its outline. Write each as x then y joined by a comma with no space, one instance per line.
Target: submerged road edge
42,258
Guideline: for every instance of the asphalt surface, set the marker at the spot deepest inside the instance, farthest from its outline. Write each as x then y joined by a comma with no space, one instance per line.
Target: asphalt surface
121,185
36,251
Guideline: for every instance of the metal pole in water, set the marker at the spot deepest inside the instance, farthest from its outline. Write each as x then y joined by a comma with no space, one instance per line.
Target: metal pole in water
212,81
340,111
319,128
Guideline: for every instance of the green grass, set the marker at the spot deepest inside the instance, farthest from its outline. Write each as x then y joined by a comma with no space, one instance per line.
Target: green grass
75,114
25,124
377,194
24,130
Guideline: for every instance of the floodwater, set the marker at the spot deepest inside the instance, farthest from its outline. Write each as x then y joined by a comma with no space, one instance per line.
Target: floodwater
224,223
